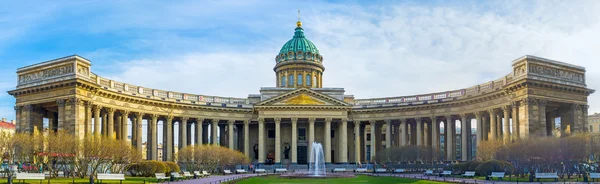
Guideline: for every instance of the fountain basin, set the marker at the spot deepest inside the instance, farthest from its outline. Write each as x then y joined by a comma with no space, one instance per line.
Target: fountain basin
310,175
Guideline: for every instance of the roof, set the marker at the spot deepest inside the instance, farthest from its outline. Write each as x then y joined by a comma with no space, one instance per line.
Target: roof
299,43
7,125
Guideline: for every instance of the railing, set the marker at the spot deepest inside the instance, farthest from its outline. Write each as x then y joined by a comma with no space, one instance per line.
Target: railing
164,95
435,97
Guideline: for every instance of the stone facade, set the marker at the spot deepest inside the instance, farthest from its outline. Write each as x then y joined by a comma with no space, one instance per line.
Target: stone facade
279,124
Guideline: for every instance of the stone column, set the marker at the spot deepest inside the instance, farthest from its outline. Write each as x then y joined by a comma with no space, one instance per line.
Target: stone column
515,120
434,132
213,133
506,122
124,127
88,119
388,134
480,128
183,132
484,127
138,135
357,144
311,133
449,138
404,134
584,115
97,129
419,125
327,140
426,133
277,140
499,125
294,141
493,131
230,134
247,138
261,140
105,124
110,131
373,124
344,142
541,128
152,148
199,130
464,134
118,127
168,142
133,130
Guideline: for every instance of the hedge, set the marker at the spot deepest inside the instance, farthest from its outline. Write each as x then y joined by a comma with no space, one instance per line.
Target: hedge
486,168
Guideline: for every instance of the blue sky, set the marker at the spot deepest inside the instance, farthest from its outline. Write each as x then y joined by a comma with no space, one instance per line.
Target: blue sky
370,48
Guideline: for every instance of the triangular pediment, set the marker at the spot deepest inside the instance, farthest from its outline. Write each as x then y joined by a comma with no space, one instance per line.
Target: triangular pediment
303,97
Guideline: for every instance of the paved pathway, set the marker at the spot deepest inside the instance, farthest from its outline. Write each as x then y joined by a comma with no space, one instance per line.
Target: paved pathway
463,180
215,179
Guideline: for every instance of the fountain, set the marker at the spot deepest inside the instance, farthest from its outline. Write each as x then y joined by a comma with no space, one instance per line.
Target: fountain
316,166
317,160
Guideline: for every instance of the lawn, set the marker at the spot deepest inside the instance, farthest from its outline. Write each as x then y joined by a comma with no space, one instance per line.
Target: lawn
526,179
357,179
84,180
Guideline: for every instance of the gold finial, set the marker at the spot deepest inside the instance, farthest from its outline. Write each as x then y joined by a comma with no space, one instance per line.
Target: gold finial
299,24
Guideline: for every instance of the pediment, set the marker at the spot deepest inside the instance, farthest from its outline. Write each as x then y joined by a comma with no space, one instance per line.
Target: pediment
303,97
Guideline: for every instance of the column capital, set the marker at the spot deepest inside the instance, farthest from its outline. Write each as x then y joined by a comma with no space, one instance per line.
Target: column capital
492,112
356,123
154,117
230,122
28,107
88,104
372,122
294,119
402,120
448,117
125,112
260,120
246,122
514,104
200,120
585,107
185,118
542,102
575,106
169,117
277,120
215,120
18,108
529,101
96,108
387,120
463,115
139,114
418,120
110,110
328,120
478,114
311,120
61,102
505,108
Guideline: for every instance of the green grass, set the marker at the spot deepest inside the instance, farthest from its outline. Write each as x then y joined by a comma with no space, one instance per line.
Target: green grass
358,179
526,179
83,180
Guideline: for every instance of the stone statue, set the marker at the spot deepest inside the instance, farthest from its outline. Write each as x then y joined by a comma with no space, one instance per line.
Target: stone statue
256,151
286,151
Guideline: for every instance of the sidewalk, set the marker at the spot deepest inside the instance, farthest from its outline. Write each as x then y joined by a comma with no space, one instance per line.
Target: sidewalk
464,180
216,179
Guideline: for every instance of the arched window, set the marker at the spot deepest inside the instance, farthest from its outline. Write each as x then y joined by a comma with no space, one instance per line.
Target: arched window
282,81
308,80
291,80
299,79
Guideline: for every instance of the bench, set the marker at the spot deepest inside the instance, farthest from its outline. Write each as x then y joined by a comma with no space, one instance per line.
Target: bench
240,171
399,171
498,175
119,177
176,176
188,175
161,177
594,176
227,171
260,171
205,173
428,172
446,173
381,170
30,176
280,170
469,174
360,170
338,170
198,174
539,176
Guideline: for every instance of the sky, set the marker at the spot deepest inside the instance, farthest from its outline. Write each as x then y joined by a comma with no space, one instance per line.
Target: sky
228,48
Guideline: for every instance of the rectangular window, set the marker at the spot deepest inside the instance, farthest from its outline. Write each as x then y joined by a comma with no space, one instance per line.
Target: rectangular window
368,137
271,134
302,134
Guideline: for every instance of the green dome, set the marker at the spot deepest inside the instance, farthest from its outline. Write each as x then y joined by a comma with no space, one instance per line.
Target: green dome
299,43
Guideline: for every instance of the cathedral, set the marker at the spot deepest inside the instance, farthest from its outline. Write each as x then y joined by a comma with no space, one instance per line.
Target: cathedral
539,97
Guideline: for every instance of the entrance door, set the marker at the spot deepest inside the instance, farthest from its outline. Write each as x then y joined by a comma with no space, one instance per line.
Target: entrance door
302,155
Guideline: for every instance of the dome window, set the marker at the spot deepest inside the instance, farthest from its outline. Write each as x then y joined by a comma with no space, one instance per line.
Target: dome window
308,79
283,81
291,80
299,79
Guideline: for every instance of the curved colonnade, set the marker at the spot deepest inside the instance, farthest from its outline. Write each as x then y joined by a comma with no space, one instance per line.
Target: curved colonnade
278,123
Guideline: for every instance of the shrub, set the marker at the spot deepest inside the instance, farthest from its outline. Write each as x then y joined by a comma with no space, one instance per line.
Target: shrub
133,169
146,168
172,167
473,165
486,168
